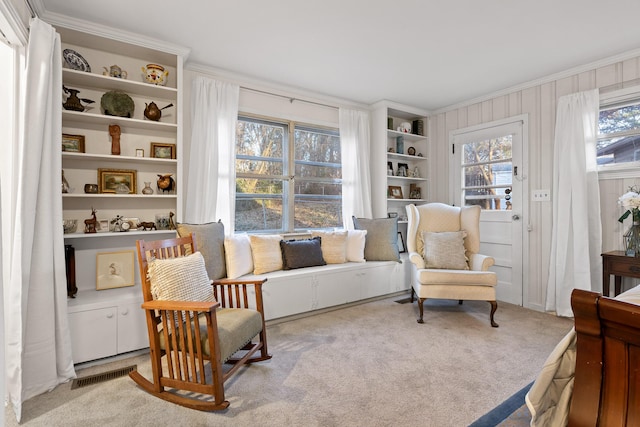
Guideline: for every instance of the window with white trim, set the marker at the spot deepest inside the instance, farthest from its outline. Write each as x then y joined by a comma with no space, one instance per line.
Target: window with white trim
618,146
288,176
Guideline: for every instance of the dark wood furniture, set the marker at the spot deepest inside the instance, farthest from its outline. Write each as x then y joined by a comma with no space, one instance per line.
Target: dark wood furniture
618,264
189,370
606,389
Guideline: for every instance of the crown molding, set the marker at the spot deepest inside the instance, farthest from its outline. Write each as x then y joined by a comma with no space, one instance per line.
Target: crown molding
547,79
16,31
112,33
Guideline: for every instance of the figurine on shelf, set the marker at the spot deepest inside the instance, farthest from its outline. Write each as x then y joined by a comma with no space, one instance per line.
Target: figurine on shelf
150,225
90,224
114,131
166,183
172,225
114,71
73,103
152,112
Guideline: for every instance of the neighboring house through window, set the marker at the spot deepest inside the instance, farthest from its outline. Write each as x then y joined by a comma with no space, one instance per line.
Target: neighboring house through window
288,176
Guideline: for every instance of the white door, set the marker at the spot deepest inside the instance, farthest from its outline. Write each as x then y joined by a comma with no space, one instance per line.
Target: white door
487,170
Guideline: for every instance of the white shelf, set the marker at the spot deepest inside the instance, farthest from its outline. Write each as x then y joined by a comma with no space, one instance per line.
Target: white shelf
107,83
405,178
69,116
406,200
408,137
114,196
396,156
81,235
109,157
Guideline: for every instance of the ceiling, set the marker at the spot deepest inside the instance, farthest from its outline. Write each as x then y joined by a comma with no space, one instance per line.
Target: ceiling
424,53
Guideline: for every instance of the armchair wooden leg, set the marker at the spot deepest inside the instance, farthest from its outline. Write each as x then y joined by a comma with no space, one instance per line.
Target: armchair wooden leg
412,294
459,302
421,308
494,307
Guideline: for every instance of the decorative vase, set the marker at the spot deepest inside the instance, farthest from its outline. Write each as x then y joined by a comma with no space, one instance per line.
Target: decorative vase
400,145
147,188
632,239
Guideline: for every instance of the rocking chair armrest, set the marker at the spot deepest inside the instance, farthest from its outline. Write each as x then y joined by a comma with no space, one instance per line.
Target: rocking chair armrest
198,306
224,282
479,262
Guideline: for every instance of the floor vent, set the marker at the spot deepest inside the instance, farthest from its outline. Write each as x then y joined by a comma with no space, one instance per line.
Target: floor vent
104,376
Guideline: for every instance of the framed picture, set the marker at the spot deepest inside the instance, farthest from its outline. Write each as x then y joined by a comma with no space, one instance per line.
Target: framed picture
395,192
139,152
103,225
415,192
73,143
402,248
403,169
114,269
389,168
163,151
109,179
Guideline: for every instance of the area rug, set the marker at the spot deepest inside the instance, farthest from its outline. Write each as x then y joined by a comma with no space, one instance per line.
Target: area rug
512,412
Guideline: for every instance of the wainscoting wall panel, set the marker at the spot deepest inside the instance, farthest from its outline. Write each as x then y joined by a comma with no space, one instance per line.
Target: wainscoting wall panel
538,100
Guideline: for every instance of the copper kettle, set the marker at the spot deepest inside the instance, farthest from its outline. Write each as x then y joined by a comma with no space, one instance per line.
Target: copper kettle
152,112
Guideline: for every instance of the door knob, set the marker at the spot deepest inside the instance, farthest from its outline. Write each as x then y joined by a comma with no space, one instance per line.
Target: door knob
516,217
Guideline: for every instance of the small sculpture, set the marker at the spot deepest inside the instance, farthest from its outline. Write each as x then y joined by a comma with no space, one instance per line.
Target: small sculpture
166,183
150,225
152,112
114,131
172,225
114,71
73,103
90,224
117,103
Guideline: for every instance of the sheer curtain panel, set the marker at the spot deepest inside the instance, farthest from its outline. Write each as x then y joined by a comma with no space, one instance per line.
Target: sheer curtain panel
210,190
576,241
356,182
38,343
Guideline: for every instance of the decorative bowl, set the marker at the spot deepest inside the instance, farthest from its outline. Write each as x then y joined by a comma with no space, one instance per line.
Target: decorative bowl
69,225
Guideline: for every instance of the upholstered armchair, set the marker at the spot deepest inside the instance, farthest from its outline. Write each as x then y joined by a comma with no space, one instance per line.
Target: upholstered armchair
443,243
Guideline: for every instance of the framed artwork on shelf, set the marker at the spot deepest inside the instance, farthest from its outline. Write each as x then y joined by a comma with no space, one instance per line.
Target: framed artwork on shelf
110,180
114,269
415,192
401,247
395,192
163,151
73,143
403,169
139,152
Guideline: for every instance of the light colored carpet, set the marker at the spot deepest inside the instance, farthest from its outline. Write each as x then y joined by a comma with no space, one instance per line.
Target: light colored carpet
369,364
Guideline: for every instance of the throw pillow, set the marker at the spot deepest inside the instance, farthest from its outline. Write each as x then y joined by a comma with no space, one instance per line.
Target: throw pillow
334,245
301,253
210,242
266,254
180,279
381,241
355,245
237,249
445,250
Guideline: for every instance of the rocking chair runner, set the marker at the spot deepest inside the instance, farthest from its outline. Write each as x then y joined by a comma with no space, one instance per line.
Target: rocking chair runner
187,356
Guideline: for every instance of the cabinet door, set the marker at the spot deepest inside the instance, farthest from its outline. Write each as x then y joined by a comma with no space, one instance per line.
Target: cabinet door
132,328
93,334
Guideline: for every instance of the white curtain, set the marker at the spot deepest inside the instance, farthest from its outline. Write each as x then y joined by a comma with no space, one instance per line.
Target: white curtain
576,242
210,192
38,343
356,182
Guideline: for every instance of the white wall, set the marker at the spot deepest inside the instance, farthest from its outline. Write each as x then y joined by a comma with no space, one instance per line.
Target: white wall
539,101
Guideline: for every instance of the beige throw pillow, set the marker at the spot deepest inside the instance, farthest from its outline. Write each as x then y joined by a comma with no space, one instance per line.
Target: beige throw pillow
180,279
334,246
445,250
266,253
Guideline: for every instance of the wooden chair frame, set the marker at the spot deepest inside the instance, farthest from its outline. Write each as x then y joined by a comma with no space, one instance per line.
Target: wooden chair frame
186,362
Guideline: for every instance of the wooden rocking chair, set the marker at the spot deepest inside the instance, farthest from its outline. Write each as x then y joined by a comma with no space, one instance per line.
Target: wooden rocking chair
230,329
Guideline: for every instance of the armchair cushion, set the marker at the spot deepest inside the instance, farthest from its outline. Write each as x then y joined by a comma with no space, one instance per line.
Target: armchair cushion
445,250
210,241
301,253
266,253
180,279
381,241
334,245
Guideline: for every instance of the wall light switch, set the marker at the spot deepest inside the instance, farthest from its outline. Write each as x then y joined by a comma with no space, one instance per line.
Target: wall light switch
541,195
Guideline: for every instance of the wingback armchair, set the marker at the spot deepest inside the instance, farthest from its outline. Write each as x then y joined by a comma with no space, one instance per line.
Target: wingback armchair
443,243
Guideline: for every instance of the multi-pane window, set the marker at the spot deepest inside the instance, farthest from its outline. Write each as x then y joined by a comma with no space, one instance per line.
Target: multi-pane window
487,171
619,134
288,176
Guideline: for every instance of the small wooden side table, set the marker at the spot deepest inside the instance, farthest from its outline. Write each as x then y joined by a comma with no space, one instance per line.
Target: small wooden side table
618,264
